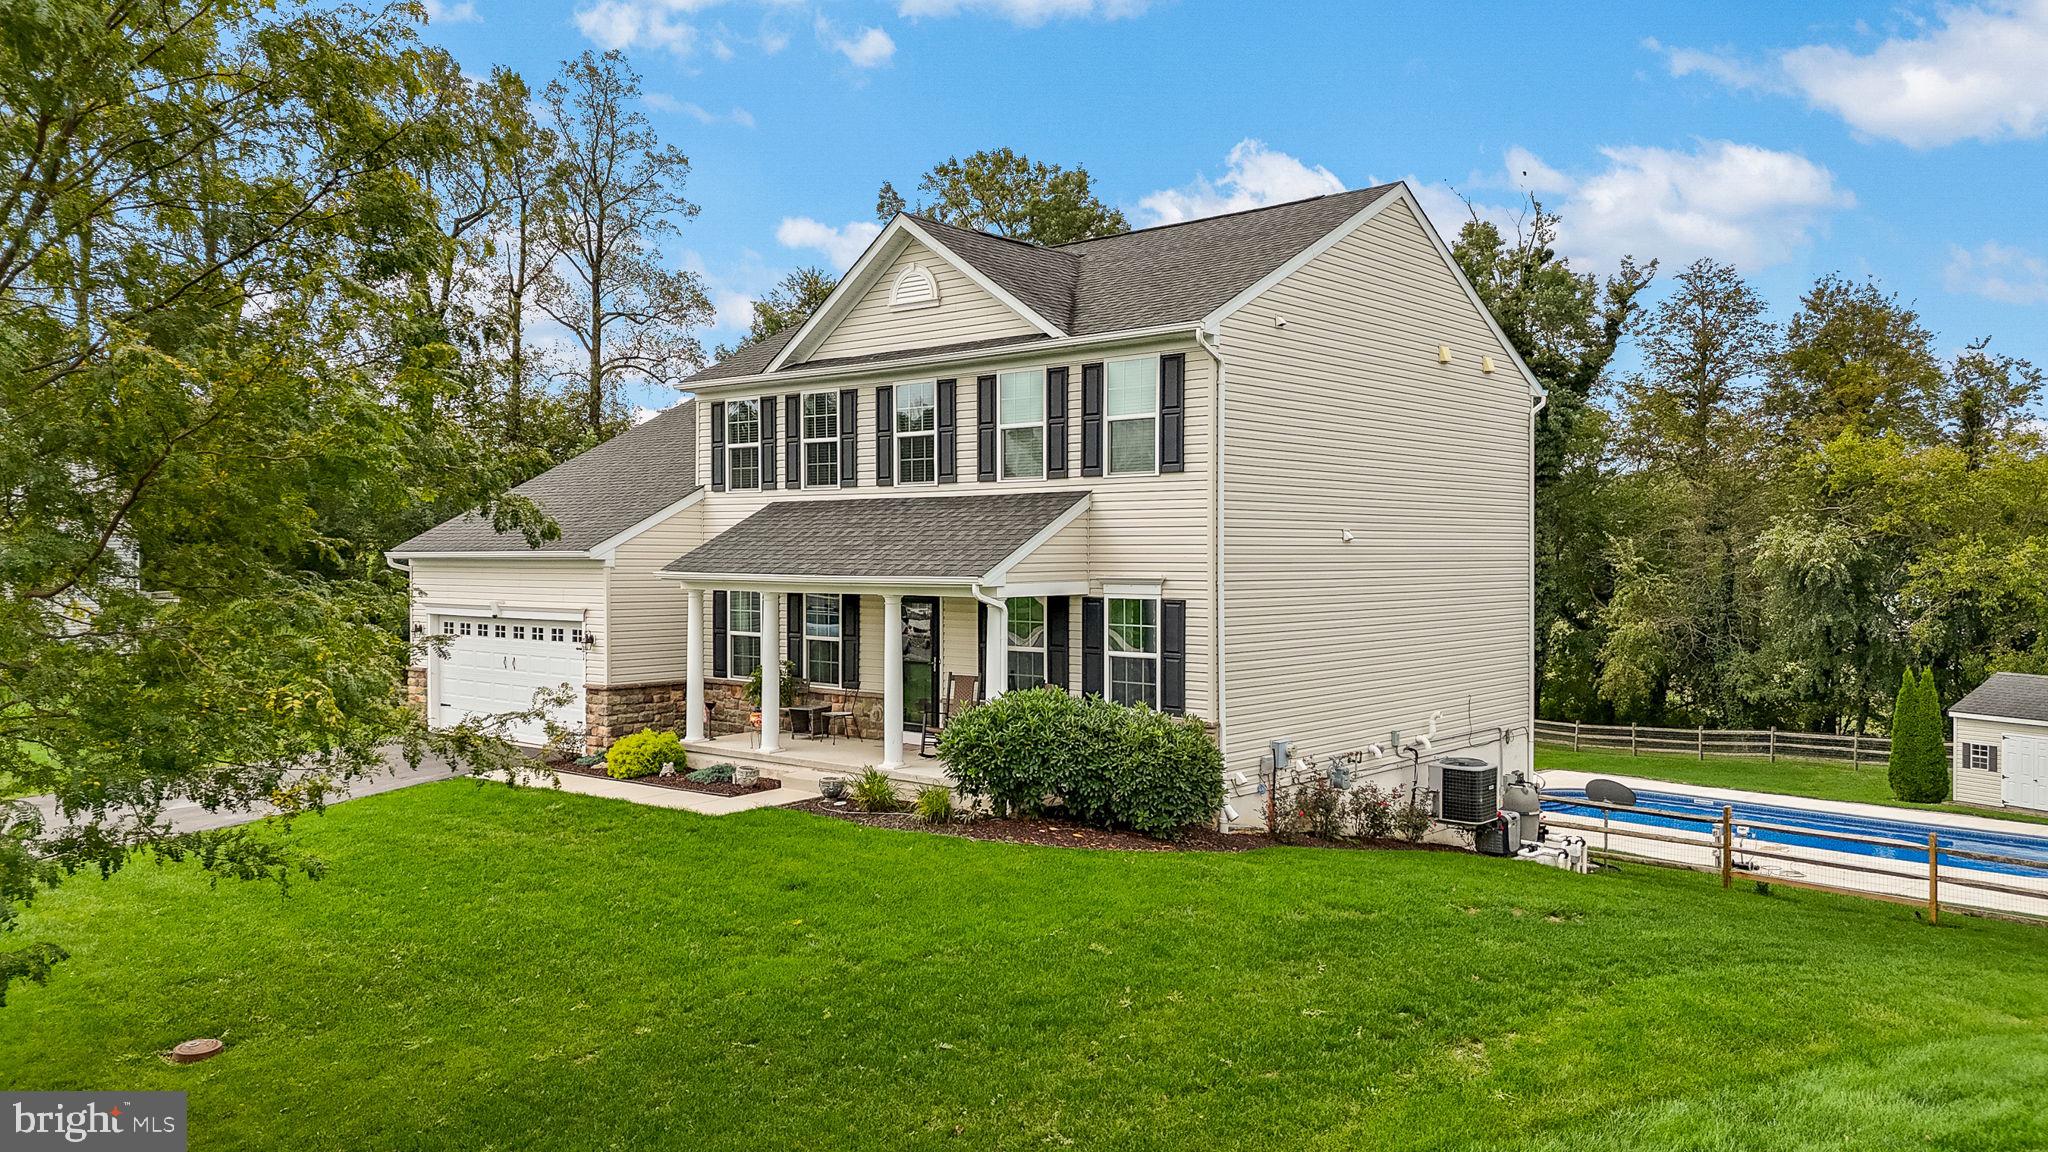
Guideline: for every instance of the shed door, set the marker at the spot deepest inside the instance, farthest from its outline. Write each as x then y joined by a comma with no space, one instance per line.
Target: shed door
492,667
2024,769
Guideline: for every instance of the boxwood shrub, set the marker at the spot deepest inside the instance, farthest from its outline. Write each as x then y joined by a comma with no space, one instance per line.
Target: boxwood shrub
1099,762
643,754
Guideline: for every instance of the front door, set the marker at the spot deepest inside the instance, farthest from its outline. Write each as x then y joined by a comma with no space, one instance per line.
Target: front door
920,663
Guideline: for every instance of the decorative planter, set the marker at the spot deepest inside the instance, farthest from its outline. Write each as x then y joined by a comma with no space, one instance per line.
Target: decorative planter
746,775
831,787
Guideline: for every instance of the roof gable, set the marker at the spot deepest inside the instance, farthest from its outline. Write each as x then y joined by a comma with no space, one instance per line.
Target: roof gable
918,299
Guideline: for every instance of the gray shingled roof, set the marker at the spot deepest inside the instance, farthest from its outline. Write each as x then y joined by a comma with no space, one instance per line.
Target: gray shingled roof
1173,274
2011,694
592,497
895,537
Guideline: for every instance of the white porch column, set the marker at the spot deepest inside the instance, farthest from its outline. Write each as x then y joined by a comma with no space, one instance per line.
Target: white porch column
892,682
693,693
996,677
771,671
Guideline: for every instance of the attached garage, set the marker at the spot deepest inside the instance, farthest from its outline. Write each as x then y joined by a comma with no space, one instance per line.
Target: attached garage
492,666
2001,743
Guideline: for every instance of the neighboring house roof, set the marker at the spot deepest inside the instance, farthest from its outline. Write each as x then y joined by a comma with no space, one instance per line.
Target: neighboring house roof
1154,277
941,538
593,497
2014,695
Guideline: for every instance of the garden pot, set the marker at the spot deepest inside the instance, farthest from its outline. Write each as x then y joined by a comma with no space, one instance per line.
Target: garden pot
831,787
746,775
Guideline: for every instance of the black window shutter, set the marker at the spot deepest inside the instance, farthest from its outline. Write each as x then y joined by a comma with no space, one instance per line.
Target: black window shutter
885,436
793,436
1173,656
1091,419
985,429
718,634
793,627
718,448
1056,423
1173,406
981,649
1092,622
949,435
849,437
767,443
1992,763
1056,641
849,641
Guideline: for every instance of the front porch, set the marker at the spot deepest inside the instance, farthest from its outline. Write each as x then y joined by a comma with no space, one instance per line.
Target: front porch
805,761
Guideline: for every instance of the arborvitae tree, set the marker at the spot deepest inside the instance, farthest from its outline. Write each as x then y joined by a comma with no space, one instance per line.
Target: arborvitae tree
1936,773
1918,770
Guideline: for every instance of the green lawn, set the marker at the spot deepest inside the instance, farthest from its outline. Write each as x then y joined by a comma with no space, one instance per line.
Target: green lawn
1819,779
489,969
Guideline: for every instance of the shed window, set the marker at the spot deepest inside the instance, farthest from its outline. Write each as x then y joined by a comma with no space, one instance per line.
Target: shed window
1981,757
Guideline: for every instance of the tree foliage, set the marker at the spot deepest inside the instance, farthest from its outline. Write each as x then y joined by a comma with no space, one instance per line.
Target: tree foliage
1004,192
1918,770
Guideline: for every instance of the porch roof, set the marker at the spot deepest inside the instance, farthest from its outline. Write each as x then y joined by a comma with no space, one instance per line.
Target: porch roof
927,539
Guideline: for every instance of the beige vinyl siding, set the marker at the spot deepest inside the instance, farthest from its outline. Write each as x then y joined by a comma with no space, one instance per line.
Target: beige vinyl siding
965,312
1138,528
1062,558
648,640
1344,420
1974,785
526,582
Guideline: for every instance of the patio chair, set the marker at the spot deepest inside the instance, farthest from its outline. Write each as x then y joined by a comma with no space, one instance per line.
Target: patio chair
960,692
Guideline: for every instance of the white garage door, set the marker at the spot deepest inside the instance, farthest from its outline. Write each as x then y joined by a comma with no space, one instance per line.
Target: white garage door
2024,767
492,667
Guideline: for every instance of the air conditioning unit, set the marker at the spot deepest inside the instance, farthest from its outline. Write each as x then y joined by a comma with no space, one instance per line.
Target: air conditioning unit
1470,791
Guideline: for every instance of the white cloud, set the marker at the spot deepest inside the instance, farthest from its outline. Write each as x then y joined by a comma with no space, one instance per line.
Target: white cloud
842,246
1977,73
866,48
442,12
663,102
1734,202
1256,176
633,24
1528,172
1028,13
1998,272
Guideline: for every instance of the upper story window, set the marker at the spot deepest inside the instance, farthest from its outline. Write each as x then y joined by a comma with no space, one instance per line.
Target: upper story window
742,444
1133,417
1133,651
743,633
821,639
1027,641
917,433
914,288
1020,424
821,439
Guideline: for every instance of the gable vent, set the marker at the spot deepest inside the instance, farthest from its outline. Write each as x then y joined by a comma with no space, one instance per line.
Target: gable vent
914,288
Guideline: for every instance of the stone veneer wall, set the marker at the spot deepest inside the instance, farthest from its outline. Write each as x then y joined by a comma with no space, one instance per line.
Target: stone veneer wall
612,711
416,688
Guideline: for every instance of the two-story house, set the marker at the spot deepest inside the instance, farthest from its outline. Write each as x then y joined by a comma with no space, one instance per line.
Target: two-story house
1270,469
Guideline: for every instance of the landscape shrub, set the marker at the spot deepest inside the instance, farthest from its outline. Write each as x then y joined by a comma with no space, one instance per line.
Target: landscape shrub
1369,811
1412,821
643,754
873,791
1313,811
1103,763
715,774
935,804
1919,764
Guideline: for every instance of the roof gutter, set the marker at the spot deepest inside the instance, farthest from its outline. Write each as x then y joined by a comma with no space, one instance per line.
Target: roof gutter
999,352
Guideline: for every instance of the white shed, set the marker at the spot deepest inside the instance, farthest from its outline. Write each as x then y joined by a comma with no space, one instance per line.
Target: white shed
2001,742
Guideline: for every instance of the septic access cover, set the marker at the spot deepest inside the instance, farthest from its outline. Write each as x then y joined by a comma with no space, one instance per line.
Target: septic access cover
193,1051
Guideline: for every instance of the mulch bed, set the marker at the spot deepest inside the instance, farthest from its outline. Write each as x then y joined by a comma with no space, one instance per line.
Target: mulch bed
1054,833
677,783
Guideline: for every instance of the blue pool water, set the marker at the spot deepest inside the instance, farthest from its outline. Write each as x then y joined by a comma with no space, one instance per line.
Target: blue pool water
2015,845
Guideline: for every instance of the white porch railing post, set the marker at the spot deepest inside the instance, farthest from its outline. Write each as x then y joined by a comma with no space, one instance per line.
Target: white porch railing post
693,663
892,682
771,671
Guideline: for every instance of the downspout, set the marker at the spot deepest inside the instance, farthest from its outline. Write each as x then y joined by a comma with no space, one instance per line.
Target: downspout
1212,344
1535,673
998,643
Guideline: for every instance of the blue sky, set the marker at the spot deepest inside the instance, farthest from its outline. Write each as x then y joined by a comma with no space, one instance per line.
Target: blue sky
1905,142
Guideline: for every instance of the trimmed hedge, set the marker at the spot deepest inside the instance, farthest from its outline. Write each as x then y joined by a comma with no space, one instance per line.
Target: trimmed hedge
1099,762
643,754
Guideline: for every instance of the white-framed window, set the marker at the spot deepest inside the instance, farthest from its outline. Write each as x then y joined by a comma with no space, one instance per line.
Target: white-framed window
1982,757
1132,413
917,433
575,635
463,627
742,633
1020,424
821,639
499,629
555,635
742,445
1132,650
519,631
821,439
1026,641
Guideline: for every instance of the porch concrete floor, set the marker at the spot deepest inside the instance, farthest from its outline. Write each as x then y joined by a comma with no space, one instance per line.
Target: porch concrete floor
802,761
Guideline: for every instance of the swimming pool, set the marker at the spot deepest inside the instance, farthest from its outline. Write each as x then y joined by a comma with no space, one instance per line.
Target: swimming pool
2018,846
